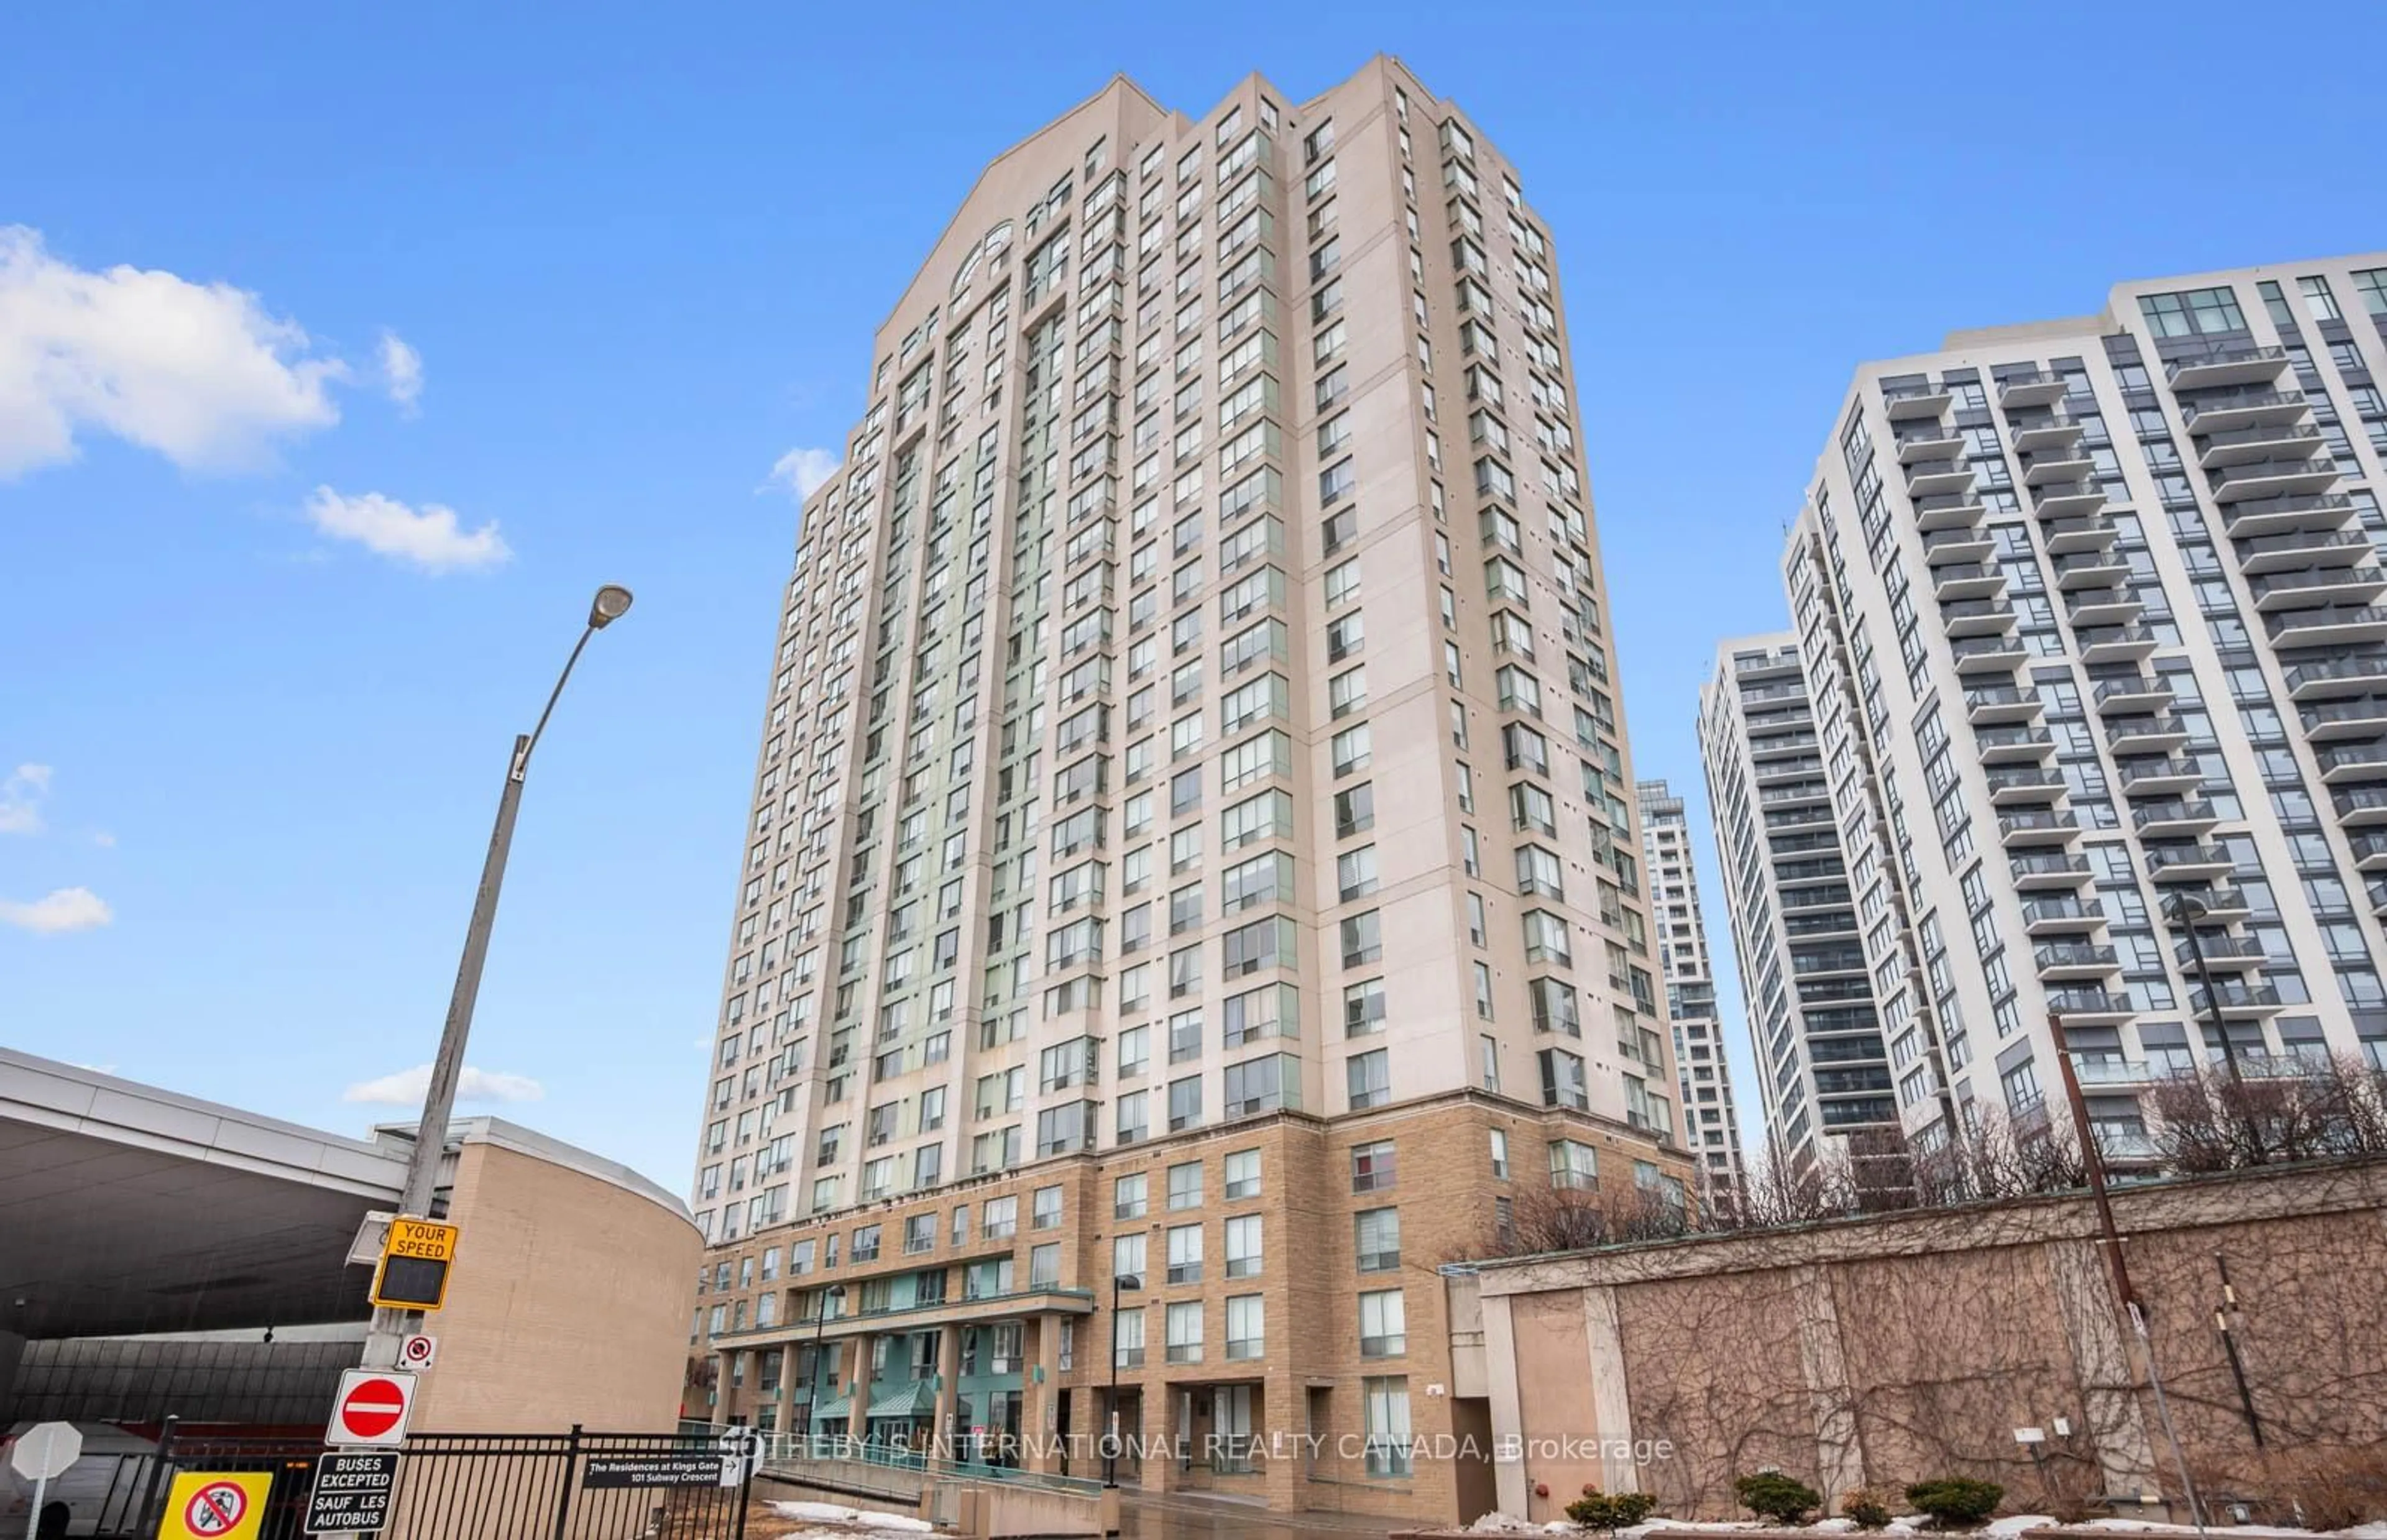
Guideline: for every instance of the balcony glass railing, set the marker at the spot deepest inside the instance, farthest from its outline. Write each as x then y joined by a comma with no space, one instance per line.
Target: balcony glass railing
2176,367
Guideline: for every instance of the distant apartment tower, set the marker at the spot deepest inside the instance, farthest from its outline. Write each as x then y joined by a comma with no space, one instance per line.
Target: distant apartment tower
1822,1069
1711,1124
1192,879
2087,611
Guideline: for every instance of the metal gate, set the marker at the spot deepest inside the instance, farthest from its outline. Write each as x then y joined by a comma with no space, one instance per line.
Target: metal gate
578,1485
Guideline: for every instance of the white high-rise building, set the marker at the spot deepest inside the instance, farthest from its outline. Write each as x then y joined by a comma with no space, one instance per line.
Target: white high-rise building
1711,1123
2086,616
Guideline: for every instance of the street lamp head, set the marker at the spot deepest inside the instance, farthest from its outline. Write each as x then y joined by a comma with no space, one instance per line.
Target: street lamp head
1126,1280
2185,907
611,604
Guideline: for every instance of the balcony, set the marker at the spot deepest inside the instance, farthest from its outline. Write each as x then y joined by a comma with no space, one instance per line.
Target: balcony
1929,478
1942,547
2066,536
2337,721
1908,403
2187,862
2018,830
2089,1007
2237,366
2246,445
2145,735
2378,891
2327,677
2363,807
2014,745
2222,905
2248,409
2153,777
1961,509
1774,772
2369,850
2133,696
1776,747
2276,515
2112,606
2061,916
2089,569
2187,818
1976,617
2297,591
2115,644
2025,787
2235,999
2327,627
2299,549
2358,761
1984,655
2116,1071
2060,465
1998,703
1805,794
2046,871
2223,954
2040,435
1930,441
1967,580
2075,960
2067,500
2273,478
2037,388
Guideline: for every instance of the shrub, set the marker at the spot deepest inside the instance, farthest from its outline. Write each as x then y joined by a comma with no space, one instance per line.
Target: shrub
1600,1511
1868,1506
1772,1494
1956,1501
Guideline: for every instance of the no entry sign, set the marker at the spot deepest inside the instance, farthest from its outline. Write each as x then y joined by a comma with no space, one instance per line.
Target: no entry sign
352,1492
371,1408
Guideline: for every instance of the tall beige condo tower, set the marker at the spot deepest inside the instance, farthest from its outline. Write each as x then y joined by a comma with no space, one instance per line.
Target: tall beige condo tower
2084,710
1193,879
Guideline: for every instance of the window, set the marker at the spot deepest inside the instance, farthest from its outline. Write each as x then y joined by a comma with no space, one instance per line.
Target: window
1246,1329
1385,1399
1243,1243
1574,1165
1355,873
1128,1255
1354,809
1362,939
1045,1209
1500,1155
1128,1196
1243,1174
1563,1082
1129,1325
1384,1324
1185,1333
1368,1078
1371,1166
1185,1186
1363,1007
1001,1218
1184,1253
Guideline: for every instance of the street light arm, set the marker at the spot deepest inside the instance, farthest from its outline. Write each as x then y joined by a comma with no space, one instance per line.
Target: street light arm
522,760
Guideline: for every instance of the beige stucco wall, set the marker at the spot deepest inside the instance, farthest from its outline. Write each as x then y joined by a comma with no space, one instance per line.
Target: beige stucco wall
568,1303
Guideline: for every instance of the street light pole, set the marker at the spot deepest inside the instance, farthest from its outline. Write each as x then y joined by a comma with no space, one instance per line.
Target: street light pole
1110,1403
820,1330
390,1327
2185,912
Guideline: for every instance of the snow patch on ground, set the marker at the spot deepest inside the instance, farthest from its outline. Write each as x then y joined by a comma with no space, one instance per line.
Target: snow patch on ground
860,1518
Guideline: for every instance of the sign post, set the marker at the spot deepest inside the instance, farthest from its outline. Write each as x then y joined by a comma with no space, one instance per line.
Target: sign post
47,1449
352,1492
371,1409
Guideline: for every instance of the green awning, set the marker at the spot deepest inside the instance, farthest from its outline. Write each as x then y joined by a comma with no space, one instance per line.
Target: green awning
914,1400
836,1406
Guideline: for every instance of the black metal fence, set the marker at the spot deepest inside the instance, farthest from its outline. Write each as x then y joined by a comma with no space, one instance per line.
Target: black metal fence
578,1485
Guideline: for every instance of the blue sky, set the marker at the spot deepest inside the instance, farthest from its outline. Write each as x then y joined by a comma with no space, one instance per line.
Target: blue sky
635,257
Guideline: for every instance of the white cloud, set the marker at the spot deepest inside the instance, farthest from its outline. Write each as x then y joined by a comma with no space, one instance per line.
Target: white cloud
103,840
199,372
21,799
56,913
804,471
401,371
405,1089
431,538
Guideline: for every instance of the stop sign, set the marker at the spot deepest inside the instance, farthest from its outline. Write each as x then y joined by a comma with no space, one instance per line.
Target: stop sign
372,1407
46,1450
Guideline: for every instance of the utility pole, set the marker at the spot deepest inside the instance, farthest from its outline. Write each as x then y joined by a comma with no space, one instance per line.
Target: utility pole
2185,912
390,1327
2092,1158
2225,1318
